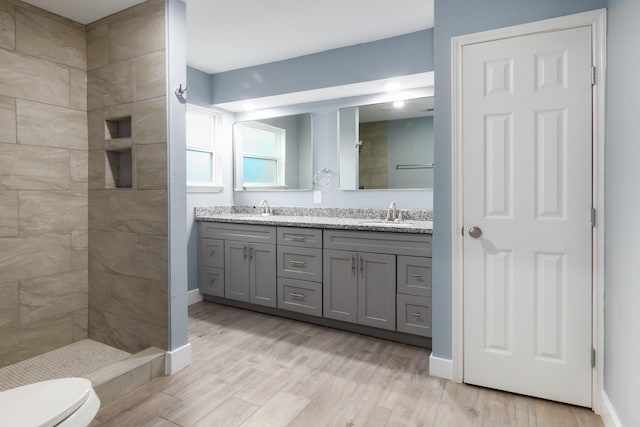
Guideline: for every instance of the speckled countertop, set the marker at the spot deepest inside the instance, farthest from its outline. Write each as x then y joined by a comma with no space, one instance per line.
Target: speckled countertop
344,219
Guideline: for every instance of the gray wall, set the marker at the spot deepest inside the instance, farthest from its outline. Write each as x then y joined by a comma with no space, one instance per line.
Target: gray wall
176,132
410,141
396,56
453,18
622,243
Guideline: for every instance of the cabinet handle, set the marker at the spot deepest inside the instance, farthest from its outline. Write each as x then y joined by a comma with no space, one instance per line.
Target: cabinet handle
297,263
211,252
297,238
353,264
295,295
244,251
417,315
250,253
361,267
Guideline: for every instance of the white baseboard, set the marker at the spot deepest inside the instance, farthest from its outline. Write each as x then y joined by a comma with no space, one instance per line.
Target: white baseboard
609,415
441,368
194,296
177,359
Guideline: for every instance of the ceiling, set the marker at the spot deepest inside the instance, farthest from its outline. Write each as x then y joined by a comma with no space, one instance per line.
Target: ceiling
84,11
225,35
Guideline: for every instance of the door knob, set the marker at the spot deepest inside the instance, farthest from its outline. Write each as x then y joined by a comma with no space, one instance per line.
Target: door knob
475,232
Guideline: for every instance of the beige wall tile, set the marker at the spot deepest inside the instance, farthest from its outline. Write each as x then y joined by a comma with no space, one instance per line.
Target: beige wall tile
139,299
80,325
149,121
34,79
52,297
97,47
99,209
7,120
34,256
24,167
110,85
9,305
53,211
79,170
138,211
96,169
95,122
7,26
41,36
135,36
78,89
22,343
51,126
151,166
79,249
151,257
99,289
126,334
8,213
151,73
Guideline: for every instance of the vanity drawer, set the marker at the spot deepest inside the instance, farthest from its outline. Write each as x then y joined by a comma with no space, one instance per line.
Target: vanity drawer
300,296
300,263
302,237
414,275
411,244
212,252
238,232
211,281
414,315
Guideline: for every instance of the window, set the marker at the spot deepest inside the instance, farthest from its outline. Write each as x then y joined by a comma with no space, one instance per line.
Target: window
262,151
202,173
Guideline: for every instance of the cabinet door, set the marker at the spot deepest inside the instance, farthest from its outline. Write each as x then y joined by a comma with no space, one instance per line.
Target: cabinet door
262,274
340,287
211,281
377,290
236,270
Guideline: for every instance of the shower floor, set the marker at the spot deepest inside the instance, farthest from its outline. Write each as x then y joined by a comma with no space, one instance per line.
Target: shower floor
74,360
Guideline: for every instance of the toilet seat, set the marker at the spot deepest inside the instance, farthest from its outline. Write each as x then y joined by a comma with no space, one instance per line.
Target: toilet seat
61,402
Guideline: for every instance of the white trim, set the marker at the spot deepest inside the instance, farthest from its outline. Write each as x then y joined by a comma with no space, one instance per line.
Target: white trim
177,359
203,188
441,368
609,415
194,296
597,20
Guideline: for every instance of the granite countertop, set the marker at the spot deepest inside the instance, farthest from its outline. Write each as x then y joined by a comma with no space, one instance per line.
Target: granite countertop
341,223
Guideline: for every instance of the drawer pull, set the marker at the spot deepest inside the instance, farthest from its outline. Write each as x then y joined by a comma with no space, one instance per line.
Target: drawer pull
417,315
298,238
418,276
295,295
297,263
211,252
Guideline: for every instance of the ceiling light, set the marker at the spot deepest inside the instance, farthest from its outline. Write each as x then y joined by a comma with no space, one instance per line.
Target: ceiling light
398,104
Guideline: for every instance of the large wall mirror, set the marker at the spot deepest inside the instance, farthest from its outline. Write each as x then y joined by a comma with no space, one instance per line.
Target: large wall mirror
387,145
274,154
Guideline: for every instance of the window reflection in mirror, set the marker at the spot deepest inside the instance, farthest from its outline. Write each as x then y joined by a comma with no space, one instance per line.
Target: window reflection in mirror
387,145
274,153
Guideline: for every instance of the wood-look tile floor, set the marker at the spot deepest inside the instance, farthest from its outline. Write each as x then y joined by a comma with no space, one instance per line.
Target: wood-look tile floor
251,369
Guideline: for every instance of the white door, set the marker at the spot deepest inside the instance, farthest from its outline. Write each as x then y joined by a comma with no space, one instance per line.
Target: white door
526,147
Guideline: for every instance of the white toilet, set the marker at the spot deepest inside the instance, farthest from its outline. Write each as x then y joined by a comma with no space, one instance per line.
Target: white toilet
65,402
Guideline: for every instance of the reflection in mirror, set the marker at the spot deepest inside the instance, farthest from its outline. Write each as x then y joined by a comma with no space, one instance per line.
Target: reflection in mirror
274,154
387,145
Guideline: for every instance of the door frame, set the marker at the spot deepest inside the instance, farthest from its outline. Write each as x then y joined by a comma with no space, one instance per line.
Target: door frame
596,19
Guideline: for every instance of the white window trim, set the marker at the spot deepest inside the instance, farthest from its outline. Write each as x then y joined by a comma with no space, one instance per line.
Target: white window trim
216,185
240,154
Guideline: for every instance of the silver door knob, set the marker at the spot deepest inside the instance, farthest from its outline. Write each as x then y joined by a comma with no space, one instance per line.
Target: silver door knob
475,232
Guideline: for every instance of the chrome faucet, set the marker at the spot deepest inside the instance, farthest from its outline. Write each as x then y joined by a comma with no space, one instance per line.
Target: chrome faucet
392,212
265,209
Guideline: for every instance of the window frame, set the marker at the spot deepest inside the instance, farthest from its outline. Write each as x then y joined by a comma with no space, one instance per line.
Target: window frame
280,158
216,184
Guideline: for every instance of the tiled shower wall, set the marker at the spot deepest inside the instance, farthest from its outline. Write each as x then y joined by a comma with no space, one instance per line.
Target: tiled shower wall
128,226
43,182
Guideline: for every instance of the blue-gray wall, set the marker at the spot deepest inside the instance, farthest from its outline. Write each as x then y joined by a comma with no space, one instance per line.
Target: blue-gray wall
176,19
396,56
454,18
622,199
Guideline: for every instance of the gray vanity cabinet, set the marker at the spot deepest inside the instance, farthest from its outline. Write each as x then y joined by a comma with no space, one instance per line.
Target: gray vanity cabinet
211,276
250,272
360,287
